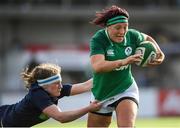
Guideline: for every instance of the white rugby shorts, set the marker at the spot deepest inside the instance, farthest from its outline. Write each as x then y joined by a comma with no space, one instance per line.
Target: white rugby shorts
132,92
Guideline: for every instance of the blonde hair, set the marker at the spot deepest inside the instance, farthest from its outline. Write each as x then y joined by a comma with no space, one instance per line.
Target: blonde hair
41,71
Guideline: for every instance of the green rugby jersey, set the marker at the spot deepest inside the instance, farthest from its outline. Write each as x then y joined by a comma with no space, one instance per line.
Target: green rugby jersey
111,83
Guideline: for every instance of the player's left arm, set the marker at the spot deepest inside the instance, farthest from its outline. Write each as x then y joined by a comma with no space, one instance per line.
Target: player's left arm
160,55
68,116
81,87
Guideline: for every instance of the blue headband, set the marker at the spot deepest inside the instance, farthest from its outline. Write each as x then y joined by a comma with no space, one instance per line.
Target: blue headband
117,19
49,80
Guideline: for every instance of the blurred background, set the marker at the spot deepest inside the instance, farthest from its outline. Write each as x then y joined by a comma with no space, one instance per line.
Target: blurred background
58,31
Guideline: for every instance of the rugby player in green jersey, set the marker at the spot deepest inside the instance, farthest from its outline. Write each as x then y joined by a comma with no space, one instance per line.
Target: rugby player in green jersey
112,53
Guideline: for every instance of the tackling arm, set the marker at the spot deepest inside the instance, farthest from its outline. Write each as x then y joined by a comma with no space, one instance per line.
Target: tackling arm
81,87
68,116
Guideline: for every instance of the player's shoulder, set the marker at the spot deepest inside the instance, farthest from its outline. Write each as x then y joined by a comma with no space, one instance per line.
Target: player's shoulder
67,86
66,90
100,37
99,34
36,90
135,34
133,31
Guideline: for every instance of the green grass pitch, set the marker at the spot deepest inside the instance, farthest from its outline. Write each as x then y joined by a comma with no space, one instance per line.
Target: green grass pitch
166,122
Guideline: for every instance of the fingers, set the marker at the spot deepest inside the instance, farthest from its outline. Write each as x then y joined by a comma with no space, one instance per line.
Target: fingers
95,105
95,101
155,62
137,57
159,59
160,56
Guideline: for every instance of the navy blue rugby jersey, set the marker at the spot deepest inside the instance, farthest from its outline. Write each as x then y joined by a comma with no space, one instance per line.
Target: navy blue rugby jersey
28,111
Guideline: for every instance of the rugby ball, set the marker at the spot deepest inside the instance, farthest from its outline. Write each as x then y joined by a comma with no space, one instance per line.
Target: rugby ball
148,51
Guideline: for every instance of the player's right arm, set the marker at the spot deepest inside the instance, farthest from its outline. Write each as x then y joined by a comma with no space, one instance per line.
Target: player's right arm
98,61
54,112
99,64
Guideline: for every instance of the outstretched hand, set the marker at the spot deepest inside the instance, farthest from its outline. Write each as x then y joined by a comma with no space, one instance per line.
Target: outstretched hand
95,105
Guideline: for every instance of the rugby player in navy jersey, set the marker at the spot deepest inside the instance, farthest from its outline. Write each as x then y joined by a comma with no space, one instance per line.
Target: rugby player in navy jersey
40,103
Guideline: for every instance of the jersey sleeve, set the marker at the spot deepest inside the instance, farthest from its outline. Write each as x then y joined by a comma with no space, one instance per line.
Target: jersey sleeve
41,99
66,90
96,45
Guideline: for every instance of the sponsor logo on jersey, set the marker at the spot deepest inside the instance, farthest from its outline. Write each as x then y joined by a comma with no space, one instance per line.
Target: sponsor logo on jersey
128,51
110,52
121,68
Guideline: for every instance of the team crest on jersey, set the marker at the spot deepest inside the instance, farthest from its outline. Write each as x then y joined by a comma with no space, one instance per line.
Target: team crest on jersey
128,51
110,52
